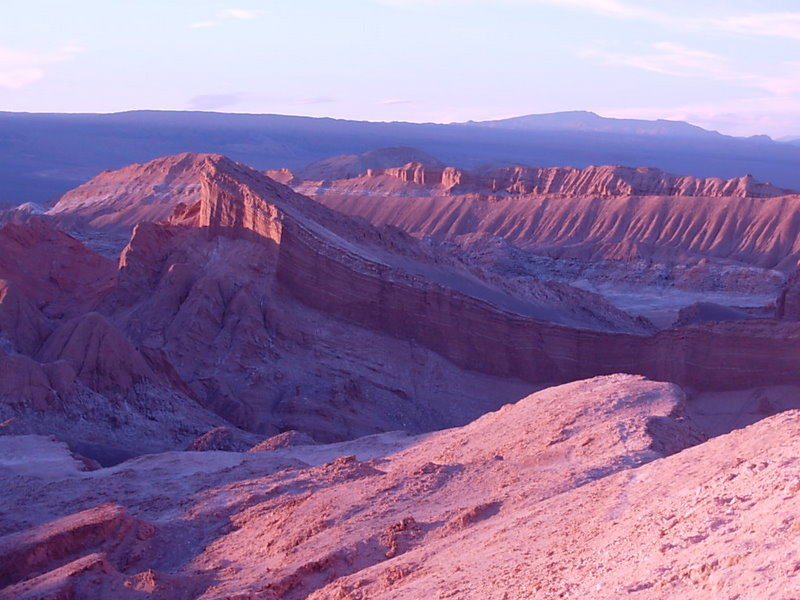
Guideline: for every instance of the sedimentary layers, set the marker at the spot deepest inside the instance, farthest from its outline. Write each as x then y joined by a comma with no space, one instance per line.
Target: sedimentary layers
571,182
344,280
595,213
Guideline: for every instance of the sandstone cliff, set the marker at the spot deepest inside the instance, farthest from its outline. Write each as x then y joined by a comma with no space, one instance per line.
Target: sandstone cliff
571,182
469,325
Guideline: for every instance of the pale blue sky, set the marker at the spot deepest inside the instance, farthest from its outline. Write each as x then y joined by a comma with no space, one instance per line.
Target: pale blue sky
728,65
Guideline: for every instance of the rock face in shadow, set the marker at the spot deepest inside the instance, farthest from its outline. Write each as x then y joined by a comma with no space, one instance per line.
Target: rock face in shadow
99,354
789,301
68,371
53,270
27,384
23,327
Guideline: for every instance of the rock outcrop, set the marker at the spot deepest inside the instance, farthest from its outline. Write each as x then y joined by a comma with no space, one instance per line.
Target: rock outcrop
26,384
106,527
347,166
788,306
603,482
224,438
22,326
602,181
140,192
596,213
98,352
54,271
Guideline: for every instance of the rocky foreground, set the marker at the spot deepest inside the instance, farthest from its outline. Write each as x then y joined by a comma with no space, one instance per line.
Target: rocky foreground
583,490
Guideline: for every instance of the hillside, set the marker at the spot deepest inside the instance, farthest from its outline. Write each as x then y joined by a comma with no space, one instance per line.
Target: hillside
581,490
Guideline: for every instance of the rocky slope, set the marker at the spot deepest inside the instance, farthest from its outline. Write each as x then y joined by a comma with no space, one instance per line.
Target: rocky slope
649,242
67,370
276,313
567,181
577,491
343,269
139,192
593,213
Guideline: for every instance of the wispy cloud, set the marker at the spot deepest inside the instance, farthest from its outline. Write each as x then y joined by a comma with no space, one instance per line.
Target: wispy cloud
252,101
615,8
674,59
246,14
19,68
785,25
395,101
685,16
240,14
669,59
767,24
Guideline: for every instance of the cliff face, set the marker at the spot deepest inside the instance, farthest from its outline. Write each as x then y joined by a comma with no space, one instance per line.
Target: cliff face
758,232
596,213
277,313
571,182
478,335
345,279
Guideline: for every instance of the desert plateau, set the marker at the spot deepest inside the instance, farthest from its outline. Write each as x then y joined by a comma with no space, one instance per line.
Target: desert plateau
400,300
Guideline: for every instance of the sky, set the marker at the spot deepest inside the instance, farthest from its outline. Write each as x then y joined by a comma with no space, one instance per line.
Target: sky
732,66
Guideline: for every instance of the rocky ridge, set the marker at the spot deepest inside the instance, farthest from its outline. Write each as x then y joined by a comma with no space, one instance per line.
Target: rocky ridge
600,181
571,491
227,302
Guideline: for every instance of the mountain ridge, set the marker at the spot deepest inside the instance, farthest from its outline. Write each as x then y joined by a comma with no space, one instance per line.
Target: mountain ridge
46,155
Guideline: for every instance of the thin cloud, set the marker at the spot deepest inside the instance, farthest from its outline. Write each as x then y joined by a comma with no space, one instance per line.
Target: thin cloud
785,25
19,68
764,24
241,13
393,101
677,60
668,59
681,16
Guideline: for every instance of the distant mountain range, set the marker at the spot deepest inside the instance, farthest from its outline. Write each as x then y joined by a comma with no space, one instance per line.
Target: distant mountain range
44,155
581,120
